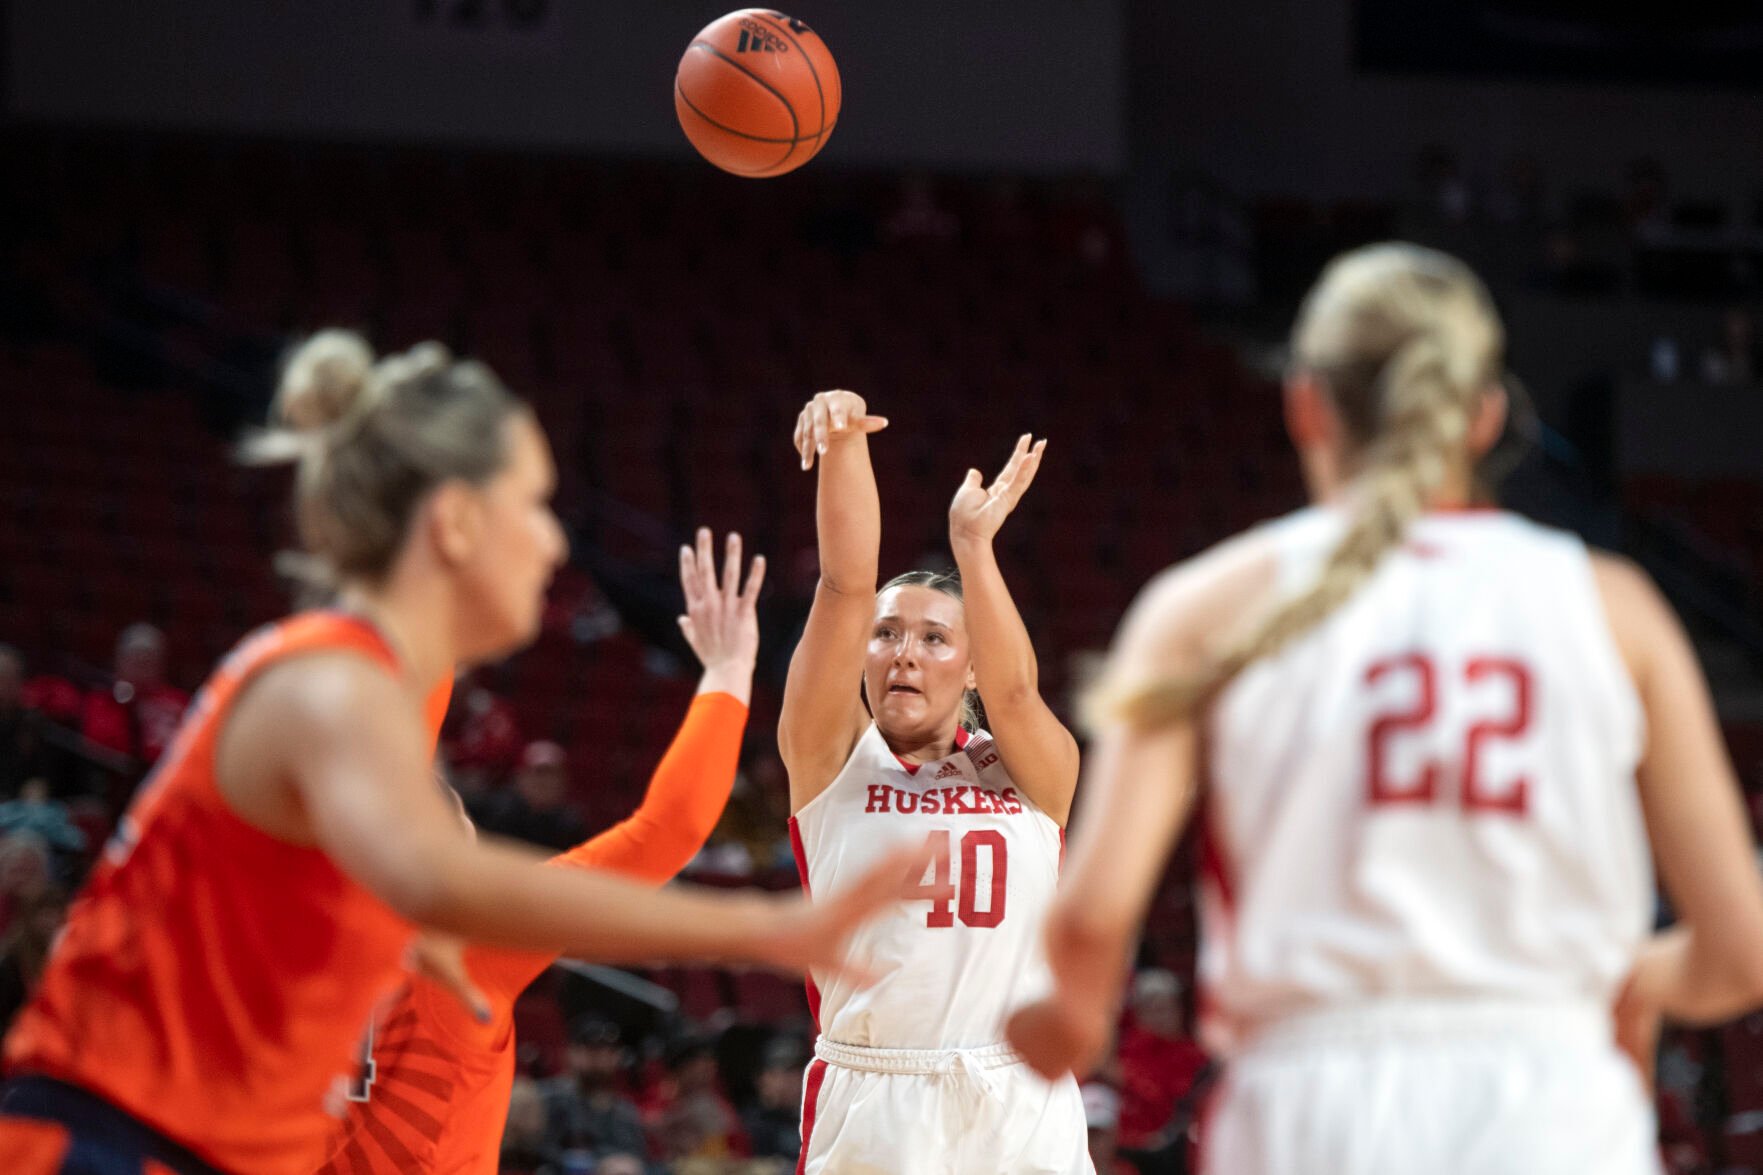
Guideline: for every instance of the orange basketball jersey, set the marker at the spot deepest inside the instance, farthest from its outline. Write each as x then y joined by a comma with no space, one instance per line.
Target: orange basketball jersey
212,980
433,1093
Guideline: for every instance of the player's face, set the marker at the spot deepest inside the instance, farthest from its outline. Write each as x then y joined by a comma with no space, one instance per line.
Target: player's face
918,666
517,546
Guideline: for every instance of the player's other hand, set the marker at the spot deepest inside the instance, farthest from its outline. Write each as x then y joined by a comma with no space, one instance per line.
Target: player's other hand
831,417
721,621
978,511
1638,1019
1057,1036
441,958
799,936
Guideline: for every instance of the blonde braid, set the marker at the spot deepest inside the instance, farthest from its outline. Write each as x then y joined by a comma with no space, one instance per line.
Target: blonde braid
1424,403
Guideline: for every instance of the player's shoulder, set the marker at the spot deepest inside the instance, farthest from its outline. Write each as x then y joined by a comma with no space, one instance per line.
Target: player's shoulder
1178,615
1619,576
327,684
1242,567
1635,608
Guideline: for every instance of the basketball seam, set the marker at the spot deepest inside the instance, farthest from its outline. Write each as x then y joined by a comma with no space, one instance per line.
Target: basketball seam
795,123
687,99
819,92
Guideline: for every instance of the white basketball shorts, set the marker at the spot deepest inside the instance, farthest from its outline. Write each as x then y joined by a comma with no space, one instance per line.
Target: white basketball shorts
1445,1088
900,1112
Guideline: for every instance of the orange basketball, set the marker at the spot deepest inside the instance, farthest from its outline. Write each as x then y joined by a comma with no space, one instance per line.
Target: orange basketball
757,93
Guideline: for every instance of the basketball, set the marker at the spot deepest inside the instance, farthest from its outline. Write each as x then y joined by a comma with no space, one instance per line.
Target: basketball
757,93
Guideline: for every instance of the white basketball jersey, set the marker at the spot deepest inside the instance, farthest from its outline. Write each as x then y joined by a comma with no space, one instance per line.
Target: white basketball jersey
1433,793
956,960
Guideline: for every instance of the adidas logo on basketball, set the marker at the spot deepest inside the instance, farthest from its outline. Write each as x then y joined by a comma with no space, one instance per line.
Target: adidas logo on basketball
947,771
756,38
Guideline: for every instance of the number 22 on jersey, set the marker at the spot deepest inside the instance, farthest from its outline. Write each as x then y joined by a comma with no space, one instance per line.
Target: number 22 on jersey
1505,679
938,885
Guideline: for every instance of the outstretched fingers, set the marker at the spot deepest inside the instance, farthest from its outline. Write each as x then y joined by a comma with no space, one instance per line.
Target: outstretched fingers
731,567
1019,472
689,580
706,563
755,581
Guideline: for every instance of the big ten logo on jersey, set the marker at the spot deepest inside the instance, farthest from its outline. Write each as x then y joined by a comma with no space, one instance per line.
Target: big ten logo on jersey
757,38
963,800
1490,702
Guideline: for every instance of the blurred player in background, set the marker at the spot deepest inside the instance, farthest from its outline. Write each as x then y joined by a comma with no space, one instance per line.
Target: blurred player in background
258,899
1421,727
434,1093
912,1075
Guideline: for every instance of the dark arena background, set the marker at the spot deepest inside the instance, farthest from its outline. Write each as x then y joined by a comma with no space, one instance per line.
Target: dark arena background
1087,218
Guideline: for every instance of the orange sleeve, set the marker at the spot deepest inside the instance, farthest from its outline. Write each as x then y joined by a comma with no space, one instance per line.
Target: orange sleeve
685,799
434,709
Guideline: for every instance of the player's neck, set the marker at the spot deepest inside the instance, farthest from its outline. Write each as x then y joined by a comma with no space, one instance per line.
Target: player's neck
1457,490
921,747
414,618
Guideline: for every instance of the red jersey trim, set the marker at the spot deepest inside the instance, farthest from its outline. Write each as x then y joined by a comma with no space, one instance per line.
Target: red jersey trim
810,1105
961,737
801,855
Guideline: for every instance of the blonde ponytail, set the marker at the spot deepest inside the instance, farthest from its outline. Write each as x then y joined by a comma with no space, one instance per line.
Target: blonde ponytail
1405,340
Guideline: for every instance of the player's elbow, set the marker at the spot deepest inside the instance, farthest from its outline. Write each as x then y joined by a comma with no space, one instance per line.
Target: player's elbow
1744,970
1015,695
420,889
422,899
849,577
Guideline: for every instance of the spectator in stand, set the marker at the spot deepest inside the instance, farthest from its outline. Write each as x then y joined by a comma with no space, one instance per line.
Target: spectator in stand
586,1110
693,1118
26,873
21,738
523,1139
919,217
1735,360
25,946
34,812
57,699
1102,1116
481,740
1159,1067
536,809
620,1164
774,1120
748,840
138,714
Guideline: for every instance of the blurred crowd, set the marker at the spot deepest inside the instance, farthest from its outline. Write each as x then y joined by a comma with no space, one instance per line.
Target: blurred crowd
612,1085
625,1094
706,1089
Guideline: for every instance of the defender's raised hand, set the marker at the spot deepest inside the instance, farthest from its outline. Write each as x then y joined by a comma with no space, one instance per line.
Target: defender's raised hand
721,621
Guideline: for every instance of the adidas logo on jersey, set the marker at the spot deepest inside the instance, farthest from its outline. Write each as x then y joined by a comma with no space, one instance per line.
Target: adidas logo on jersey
756,38
947,771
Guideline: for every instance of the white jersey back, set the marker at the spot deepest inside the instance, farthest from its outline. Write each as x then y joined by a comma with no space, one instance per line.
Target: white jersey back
956,961
1433,793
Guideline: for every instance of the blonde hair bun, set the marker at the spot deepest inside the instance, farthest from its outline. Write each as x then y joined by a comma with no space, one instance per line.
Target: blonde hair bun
324,382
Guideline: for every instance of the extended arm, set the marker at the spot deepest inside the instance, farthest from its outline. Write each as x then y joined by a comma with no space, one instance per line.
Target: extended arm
1038,751
823,714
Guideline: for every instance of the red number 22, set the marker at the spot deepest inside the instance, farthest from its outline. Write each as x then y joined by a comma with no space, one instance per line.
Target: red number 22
1478,794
